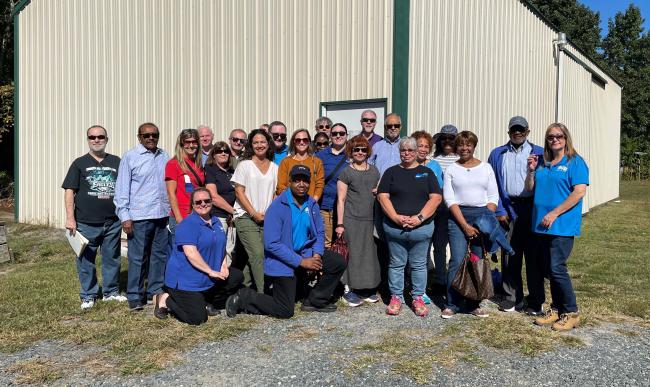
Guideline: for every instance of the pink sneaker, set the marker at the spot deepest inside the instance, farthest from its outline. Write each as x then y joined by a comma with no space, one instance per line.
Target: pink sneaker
394,306
419,307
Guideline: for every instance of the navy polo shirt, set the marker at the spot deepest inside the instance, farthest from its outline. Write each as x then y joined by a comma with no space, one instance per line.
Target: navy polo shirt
330,161
210,240
553,185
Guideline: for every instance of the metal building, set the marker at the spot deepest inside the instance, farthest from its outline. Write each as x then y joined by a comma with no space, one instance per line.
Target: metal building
236,64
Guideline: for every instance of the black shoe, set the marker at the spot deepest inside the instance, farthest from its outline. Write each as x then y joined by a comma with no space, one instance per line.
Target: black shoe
233,305
212,311
534,312
507,306
308,307
136,305
160,312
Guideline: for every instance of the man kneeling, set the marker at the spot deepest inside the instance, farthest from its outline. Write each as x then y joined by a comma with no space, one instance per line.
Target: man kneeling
293,237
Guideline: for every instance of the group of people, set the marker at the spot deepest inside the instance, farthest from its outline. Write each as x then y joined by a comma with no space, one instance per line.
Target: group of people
243,225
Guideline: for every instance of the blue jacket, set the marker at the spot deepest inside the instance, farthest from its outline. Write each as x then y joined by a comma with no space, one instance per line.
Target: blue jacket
279,258
496,161
490,227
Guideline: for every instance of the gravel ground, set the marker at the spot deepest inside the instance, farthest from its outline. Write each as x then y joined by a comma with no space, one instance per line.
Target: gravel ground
318,349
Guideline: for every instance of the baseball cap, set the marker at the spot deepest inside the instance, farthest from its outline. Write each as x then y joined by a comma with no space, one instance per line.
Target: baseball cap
517,121
300,170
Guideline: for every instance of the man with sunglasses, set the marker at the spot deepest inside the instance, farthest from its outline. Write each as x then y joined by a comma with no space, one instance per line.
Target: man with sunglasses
323,124
278,131
143,208
206,136
385,153
237,141
368,122
89,190
510,163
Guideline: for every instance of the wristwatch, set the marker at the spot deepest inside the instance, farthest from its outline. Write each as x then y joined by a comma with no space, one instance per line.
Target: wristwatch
421,218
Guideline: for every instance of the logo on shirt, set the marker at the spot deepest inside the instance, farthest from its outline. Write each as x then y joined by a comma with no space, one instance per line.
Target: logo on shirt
421,175
562,168
101,182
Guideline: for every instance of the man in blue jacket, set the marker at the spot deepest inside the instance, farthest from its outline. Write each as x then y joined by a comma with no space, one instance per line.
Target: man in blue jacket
294,237
514,211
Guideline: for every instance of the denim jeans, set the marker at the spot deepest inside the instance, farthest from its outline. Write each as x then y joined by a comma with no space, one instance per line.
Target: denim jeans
148,251
458,244
171,226
407,246
440,242
107,237
555,251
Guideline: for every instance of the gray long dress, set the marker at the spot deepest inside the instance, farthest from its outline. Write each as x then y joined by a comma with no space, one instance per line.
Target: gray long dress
363,267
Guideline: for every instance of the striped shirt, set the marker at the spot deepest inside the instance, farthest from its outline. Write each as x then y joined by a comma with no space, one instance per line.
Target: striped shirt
446,161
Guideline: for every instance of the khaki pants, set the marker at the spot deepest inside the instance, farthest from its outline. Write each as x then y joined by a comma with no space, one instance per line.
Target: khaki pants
328,218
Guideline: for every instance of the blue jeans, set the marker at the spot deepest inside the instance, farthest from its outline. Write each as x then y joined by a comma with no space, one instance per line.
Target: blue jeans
458,246
172,233
106,236
555,251
410,246
148,250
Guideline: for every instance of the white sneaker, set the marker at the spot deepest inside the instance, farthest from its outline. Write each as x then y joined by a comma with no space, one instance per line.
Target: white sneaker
87,304
114,297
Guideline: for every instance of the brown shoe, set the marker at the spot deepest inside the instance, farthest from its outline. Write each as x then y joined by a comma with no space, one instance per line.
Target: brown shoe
566,322
549,318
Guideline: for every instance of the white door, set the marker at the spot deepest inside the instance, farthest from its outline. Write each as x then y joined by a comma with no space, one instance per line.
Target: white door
349,113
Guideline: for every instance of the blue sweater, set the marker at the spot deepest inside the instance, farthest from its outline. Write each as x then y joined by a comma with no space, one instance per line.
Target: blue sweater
280,259
496,161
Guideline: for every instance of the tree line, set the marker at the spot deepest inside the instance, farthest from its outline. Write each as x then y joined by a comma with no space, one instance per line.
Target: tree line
624,52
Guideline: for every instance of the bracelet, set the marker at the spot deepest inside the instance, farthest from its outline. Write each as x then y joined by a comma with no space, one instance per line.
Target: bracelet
340,225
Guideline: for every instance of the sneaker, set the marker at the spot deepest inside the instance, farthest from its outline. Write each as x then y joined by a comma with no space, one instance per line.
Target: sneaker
233,305
478,312
372,299
419,306
136,305
426,299
534,312
308,307
507,306
549,318
447,313
394,306
87,304
352,299
114,297
566,322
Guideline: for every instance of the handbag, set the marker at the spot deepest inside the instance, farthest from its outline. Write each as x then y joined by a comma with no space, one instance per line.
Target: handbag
474,277
340,246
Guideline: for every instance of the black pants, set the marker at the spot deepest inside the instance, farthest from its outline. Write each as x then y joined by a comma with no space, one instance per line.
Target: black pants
281,303
189,306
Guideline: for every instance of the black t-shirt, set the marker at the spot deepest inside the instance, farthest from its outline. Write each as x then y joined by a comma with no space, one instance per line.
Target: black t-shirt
409,189
225,189
94,183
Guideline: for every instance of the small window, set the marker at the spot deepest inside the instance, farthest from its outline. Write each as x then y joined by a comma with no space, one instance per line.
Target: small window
598,80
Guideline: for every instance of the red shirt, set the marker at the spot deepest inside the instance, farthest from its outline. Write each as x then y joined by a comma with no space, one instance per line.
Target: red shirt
183,179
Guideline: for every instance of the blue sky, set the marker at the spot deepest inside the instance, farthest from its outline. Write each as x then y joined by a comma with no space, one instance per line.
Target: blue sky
608,9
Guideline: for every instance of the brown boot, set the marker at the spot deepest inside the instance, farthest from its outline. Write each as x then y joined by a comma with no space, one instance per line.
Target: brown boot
566,322
547,319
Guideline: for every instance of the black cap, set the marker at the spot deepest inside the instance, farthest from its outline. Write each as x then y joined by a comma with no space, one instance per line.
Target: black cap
300,170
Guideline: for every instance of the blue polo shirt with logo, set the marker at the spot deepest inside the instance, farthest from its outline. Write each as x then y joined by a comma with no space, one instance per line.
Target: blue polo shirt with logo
210,240
553,185
300,222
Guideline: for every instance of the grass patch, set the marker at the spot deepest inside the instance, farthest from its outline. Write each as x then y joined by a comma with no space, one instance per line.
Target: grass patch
35,371
627,332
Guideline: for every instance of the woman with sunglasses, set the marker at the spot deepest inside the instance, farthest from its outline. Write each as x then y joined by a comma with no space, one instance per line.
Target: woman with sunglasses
470,190
301,152
218,172
409,194
560,182
255,182
197,278
321,141
356,187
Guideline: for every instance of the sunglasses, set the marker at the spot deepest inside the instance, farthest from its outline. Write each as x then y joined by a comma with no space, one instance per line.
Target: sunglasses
324,143
100,137
338,134
190,142
517,130
221,152
323,126
279,136
393,126
239,140
551,137
360,149
204,201
149,135
301,141
371,120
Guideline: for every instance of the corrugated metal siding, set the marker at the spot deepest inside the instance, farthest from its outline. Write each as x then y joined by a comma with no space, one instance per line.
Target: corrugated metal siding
177,63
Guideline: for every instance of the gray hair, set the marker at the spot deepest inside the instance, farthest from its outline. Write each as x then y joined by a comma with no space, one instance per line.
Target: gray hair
368,111
203,126
324,120
408,142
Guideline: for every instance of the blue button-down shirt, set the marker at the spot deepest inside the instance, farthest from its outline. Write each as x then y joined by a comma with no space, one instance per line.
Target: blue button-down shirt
385,154
514,167
140,191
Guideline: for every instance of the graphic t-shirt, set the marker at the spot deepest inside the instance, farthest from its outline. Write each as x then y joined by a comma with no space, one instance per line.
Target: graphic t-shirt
94,183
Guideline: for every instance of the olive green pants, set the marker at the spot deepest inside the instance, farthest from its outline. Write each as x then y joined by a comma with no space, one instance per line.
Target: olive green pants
251,236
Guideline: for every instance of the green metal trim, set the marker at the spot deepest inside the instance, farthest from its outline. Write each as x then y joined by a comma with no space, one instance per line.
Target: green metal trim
19,7
334,103
16,112
401,16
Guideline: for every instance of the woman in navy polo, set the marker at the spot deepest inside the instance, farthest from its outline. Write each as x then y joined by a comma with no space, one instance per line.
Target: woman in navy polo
560,182
197,279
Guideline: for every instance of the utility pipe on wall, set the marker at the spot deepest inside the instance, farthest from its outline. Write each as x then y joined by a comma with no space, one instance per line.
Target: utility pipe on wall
558,48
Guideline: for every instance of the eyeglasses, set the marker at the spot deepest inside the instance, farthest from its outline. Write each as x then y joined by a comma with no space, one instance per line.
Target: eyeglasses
360,149
279,136
100,137
190,142
204,201
393,126
338,134
221,151
301,141
551,137
149,135
407,150
323,143
239,140
323,126
371,120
